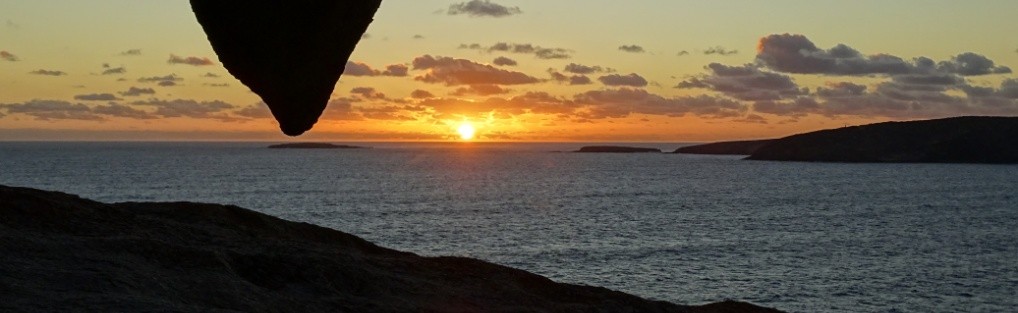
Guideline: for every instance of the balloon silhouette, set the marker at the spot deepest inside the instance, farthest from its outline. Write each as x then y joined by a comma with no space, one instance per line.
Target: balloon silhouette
289,52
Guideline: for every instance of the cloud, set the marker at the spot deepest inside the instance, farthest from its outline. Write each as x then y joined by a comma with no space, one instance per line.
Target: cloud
362,69
421,94
396,70
359,69
9,57
797,54
193,61
571,80
584,69
481,90
256,111
746,82
168,80
900,99
119,110
465,72
135,91
632,49
504,61
523,48
167,83
368,93
47,72
617,103
631,80
131,52
10,24
114,71
189,108
719,50
390,113
418,36
341,109
47,110
482,8
97,97
971,64
211,75
752,119
796,107
683,53
217,85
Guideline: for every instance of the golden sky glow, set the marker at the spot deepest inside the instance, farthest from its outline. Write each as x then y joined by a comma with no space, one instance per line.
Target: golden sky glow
569,70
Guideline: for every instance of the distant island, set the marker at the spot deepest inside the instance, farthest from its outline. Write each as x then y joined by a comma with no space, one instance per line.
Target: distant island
65,253
616,149
745,147
970,139
312,145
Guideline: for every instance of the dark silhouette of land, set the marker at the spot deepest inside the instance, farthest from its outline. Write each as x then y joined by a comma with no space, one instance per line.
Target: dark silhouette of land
313,145
616,149
951,140
745,147
62,253
289,53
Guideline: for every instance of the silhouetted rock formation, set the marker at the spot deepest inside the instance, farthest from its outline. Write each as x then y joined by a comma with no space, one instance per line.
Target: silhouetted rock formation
61,253
746,147
291,53
950,140
616,149
312,145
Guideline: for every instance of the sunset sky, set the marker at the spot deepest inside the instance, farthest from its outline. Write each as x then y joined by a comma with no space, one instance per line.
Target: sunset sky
522,70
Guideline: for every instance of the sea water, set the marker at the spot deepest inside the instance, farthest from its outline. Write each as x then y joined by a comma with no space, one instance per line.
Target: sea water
801,237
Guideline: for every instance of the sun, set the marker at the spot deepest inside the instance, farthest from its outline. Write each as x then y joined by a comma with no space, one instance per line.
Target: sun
466,131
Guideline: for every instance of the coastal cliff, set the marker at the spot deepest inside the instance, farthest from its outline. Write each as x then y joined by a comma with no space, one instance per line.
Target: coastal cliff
969,139
65,253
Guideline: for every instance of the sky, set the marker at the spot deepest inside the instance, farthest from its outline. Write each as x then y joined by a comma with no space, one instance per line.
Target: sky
522,70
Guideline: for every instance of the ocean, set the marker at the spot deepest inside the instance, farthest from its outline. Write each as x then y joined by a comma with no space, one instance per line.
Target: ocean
800,237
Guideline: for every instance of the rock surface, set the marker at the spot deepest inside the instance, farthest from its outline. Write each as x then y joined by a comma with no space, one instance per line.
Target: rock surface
616,149
291,53
951,140
312,145
61,253
745,147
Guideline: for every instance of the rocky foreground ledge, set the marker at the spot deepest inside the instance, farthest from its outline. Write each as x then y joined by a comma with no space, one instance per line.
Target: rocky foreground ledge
62,253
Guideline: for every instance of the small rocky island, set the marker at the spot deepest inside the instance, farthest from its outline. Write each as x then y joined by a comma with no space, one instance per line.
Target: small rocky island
616,149
745,147
971,139
312,145
62,253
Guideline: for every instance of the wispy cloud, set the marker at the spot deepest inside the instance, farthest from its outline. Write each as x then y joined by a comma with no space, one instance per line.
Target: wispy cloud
482,8
522,48
9,57
135,91
47,72
632,49
719,50
97,97
131,52
193,61
465,72
631,80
